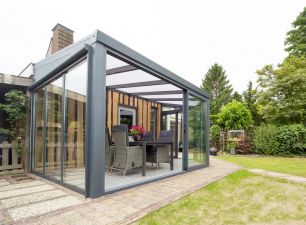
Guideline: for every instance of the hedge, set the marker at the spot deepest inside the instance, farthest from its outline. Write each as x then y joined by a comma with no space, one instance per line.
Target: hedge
282,140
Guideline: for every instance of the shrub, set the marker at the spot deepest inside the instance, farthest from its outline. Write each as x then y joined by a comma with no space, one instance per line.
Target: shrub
291,139
265,140
213,119
214,136
250,137
282,140
235,115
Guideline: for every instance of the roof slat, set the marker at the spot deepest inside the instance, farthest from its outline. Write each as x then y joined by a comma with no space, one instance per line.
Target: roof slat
139,84
159,92
121,69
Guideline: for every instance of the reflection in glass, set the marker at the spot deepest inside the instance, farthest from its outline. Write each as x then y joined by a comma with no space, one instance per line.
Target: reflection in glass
74,156
53,151
39,130
196,131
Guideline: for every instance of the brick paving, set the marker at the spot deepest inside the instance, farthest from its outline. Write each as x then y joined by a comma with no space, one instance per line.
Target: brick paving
119,208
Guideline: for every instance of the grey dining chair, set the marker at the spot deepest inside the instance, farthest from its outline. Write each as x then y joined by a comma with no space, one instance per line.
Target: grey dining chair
109,151
160,153
148,136
126,157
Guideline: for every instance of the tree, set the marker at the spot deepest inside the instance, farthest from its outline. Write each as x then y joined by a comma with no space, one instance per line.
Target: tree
296,38
250,99
236,96
15,108
214,136
235,115
282,91
216,83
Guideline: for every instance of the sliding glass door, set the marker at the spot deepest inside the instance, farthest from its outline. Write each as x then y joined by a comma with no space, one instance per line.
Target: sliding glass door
53,148
39,146
60,108
196,131
75,110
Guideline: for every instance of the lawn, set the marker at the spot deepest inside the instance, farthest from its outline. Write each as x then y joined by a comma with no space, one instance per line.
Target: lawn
295,166
240,198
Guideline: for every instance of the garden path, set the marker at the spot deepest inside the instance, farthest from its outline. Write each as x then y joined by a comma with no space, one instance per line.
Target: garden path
284,176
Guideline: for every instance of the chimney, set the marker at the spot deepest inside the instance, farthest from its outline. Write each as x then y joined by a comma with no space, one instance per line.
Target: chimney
62,37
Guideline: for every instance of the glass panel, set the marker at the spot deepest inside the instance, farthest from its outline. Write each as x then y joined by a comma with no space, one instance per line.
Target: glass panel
163,96
53,152
134,76
74,156
196,131
39,130
126,154
113,62
163,87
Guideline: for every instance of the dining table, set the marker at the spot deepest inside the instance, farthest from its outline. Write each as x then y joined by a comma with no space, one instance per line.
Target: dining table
145,144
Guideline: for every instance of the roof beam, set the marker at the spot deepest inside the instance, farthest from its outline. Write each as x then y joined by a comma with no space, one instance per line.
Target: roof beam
159,92
139,84
171,105
121,69
171,112
166,99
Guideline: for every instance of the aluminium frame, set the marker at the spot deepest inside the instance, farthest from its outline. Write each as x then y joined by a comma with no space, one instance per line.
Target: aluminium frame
96,47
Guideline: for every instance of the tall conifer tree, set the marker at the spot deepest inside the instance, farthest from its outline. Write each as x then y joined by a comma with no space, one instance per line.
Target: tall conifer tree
216,83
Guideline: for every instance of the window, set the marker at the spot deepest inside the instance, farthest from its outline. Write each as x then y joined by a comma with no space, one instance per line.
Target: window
127,116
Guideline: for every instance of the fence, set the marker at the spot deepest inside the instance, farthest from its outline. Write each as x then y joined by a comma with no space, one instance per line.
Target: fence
10,163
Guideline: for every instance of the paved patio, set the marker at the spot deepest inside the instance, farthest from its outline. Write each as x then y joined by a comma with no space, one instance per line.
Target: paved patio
43,202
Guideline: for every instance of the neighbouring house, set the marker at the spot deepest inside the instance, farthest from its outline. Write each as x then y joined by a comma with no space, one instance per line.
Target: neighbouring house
85,96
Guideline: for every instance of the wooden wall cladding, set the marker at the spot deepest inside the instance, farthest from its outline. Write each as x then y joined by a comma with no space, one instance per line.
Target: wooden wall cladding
142,106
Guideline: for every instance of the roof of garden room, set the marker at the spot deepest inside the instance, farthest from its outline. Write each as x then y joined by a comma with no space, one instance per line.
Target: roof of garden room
127,71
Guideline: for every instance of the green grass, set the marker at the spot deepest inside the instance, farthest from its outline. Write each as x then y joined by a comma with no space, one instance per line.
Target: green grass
240,198
294,166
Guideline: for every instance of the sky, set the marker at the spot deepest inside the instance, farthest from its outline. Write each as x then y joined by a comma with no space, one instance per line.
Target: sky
186,37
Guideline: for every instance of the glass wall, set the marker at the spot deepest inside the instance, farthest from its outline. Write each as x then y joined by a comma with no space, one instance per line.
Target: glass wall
196,131
62,100
39,130
133,104
53,153
75,110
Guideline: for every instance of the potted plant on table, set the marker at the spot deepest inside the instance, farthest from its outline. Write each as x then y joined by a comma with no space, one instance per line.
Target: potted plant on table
137,132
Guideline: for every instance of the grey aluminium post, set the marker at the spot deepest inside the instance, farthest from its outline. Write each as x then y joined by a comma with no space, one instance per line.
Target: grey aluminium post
32,132
207,131
176,135
95,121
185,134
44,153
63,137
